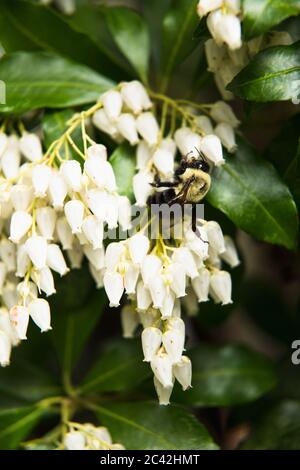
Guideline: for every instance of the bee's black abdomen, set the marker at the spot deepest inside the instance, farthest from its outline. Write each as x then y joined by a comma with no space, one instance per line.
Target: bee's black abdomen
163,197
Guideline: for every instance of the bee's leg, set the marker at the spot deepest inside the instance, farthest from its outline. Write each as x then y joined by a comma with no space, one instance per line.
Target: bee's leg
194,224
164,184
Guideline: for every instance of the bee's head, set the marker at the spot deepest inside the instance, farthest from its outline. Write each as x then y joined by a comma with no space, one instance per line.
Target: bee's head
197,160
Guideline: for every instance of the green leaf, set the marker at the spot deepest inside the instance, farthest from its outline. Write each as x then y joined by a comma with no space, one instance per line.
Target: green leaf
154,11
29,27
261,15
16,424
179,25
226,376
273,75
72,328
249,191
149,426
131,34
123,163
38,79
119,368
277,429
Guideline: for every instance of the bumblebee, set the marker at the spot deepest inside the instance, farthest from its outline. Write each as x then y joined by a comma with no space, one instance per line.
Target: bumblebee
191,184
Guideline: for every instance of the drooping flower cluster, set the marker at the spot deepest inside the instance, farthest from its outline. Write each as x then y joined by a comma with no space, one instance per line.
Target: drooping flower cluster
89,437
53,205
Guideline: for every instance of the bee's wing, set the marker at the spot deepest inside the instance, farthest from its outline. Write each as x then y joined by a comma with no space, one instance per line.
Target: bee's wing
181,196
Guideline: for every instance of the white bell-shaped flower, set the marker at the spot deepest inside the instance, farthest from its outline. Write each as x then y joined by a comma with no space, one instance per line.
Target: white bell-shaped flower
184,257
142,187
46,220
112,104
178,275
197,245
102,122
138,246
214,25
124,213
130,278
75,255
113,254
205,124
222,112
186,140
58,190
101,173
93,230
135,96
8,254
212,148
206,6
215,236
161,366
5,349
97,275
225,132
176,323
56,260
36,248
19,316
3,142
220,286
44,280
11,158
167,308
74,212
114,287
151,266
71,172
95,257
41,175
148,128
23,261
112,211
230,31
126,125
10,296
39,311
230,255
143,297
74,440
21,196
64,233
20,223
158,291
201,285
151,342
97,201
163,393
164,162
97,151
173,341
183,372
143,155
31,147
129,321
7,327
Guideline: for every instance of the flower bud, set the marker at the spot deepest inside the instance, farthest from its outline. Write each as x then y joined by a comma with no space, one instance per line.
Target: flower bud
183,372
71,173
113,285
36,248
31,147
19,316
163,393
21,196
138,246
101,121
220,287
74,440
126,125
212,148
129,321
226,133
97,151
222,112
46,219
58,190
93,230
135,96
41,175
143,297
161,366
74,211
151,341
147,127
5,349
55,259
39,311
20,223
112,104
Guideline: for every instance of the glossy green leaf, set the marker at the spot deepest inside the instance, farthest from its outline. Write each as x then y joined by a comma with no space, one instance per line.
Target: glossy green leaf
120,367
38,79
179,25
131,34
250,192
277,429
149,426
16,424
261,15
123,163
226,376
25,26
72,328
273,75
